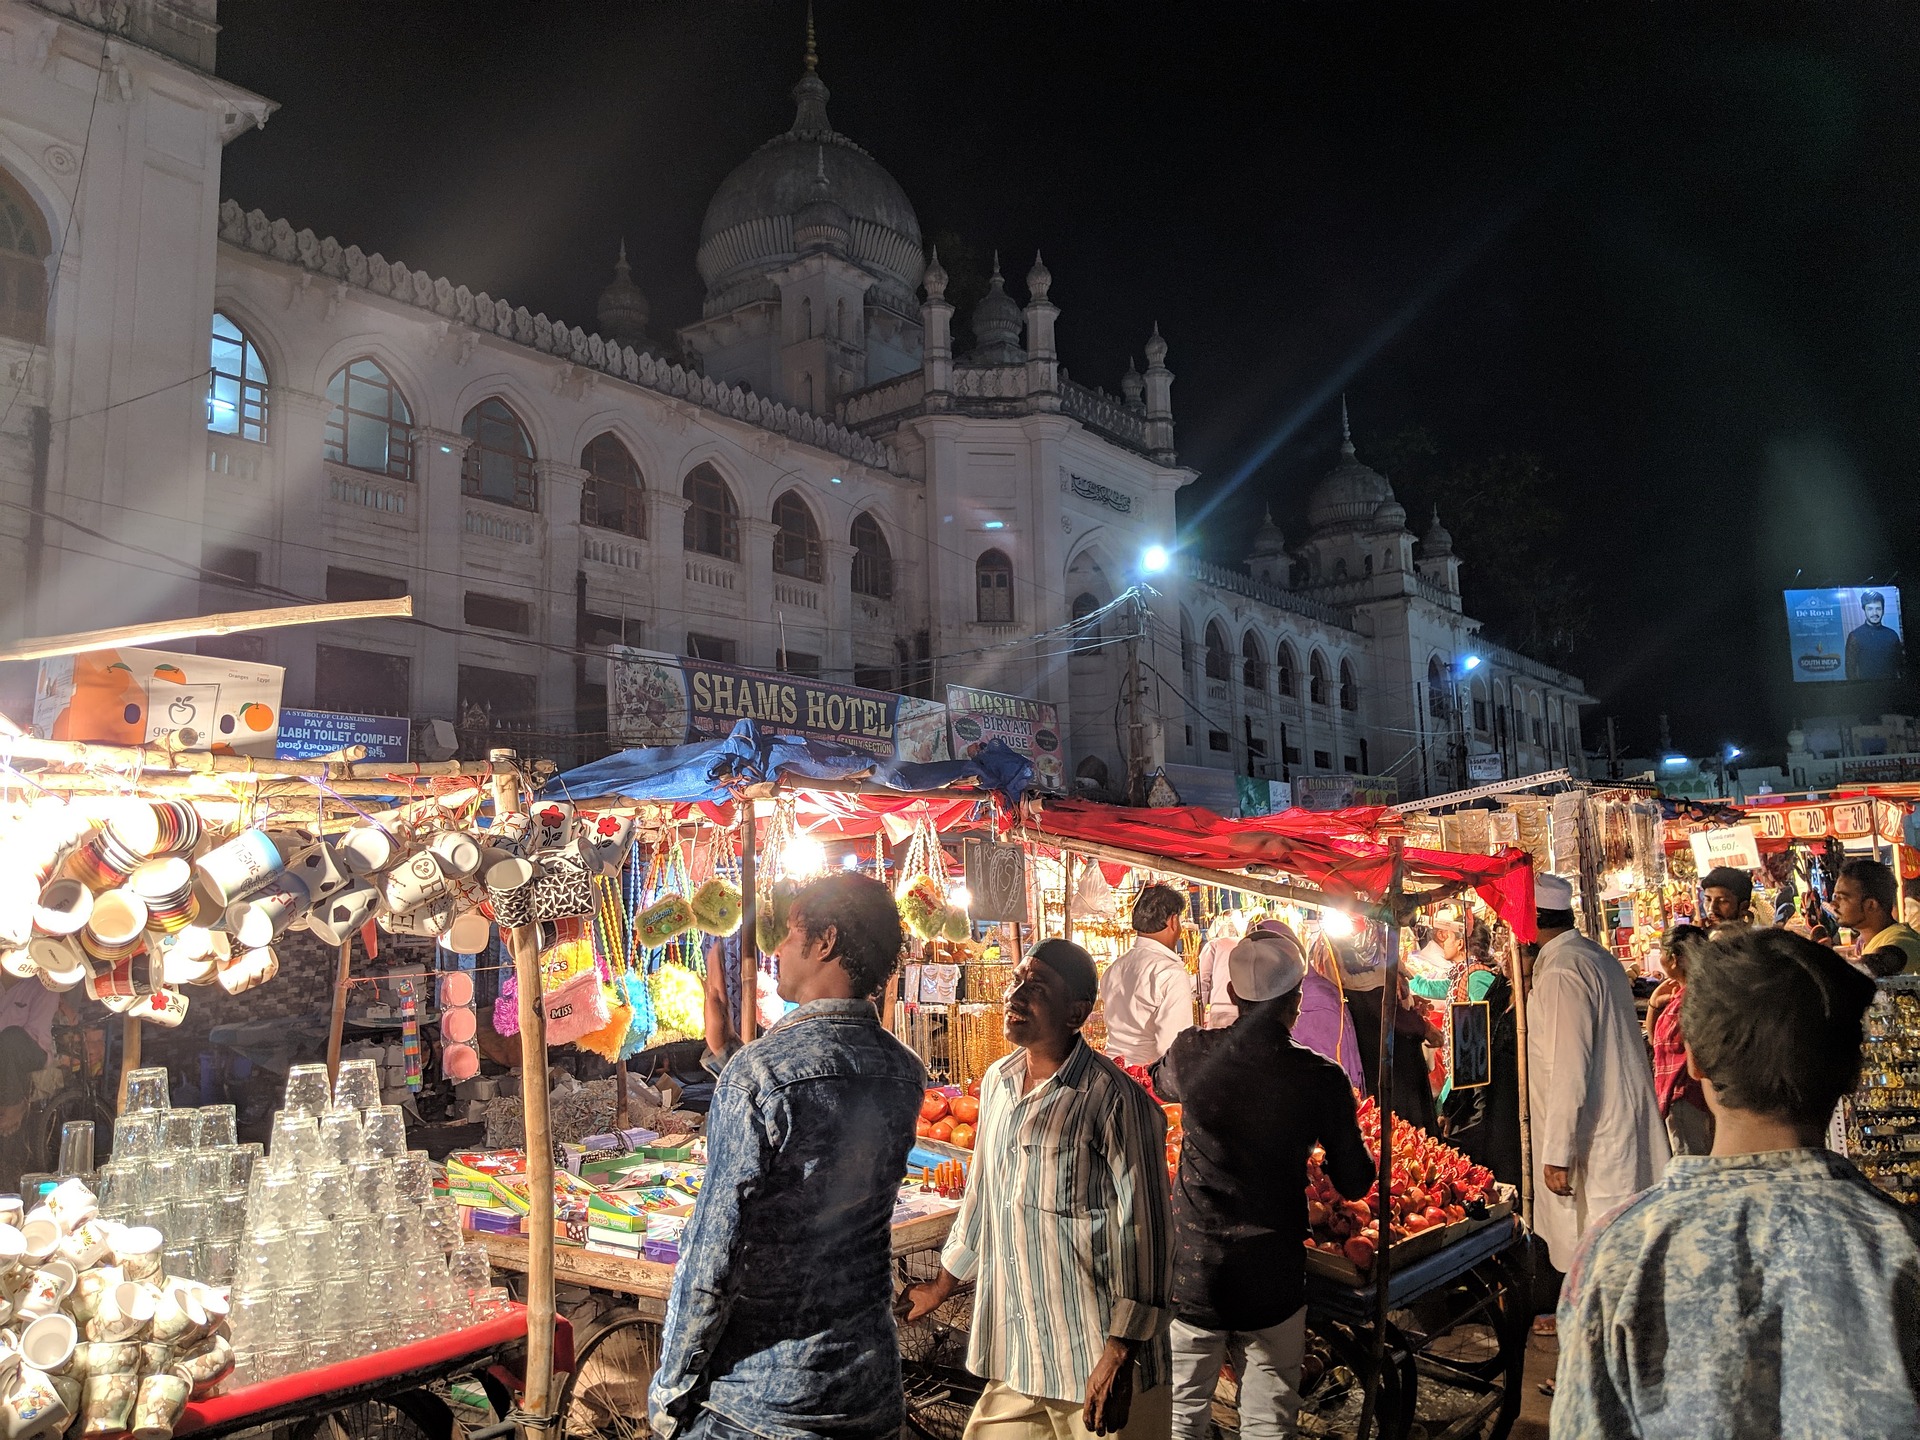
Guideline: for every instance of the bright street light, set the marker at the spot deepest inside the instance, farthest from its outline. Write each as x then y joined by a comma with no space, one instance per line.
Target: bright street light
1734,752
1673,760
1469,662
1154,559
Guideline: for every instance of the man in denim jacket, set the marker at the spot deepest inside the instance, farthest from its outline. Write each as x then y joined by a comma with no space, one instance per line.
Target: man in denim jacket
780,1324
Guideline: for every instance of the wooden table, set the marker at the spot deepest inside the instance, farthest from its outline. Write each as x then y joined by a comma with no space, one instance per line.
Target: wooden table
650,1282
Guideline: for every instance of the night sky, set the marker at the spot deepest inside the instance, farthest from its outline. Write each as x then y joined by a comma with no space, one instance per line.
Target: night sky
1669,250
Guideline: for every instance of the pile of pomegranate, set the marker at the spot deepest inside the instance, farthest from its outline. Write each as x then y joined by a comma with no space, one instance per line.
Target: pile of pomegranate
1433,1184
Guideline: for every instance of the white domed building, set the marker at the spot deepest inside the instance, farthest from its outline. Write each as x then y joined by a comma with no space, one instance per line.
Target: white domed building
807,478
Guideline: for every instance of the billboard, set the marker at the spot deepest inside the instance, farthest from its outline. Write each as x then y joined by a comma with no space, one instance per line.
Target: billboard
132,696
1342,792
1029,727
1852,633
655,699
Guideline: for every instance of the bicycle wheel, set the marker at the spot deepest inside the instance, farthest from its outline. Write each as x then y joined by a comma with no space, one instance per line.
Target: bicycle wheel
413,1415
605,1394
939,1398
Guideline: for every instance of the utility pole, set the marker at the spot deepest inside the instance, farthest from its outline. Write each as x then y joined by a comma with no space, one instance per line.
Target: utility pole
1136,738
1613,751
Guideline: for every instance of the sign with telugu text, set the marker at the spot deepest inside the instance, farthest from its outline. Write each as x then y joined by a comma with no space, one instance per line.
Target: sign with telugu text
655,699
307,733
1029,727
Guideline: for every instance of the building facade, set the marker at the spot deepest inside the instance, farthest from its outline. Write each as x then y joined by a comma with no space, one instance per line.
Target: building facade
204,409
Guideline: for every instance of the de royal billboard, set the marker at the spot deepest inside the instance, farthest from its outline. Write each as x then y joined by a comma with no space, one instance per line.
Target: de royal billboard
1846,634
655,699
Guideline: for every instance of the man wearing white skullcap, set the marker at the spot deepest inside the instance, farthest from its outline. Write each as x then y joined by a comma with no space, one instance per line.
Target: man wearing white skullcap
1597,1135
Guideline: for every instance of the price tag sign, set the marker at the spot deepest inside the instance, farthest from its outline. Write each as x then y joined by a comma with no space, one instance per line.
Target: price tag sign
1470,1062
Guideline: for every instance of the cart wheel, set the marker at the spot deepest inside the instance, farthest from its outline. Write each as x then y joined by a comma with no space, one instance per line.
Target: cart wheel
605,1393
939,1398
1331,1407
411,1415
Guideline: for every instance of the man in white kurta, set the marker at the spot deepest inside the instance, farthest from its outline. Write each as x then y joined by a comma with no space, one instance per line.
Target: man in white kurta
1597,1135
1146,995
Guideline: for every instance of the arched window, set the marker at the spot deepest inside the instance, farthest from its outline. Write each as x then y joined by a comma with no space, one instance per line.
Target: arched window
1286,665
1253,663
1086,629
872,558
796,540
499,463
1436,688
371,425
1317,679
1219,658
806,319
806,391
237,388
613,496
1349,687
25,245
1340,569
713,521
993,588
840,320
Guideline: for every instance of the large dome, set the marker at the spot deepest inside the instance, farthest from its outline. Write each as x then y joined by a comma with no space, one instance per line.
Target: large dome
749,229
1350,493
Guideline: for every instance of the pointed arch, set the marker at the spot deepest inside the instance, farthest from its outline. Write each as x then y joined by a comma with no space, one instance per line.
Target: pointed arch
872,557
26,246
499,461
1349,687
796,538
713,516
993,588
236,383
1436,688
1287,666
1253,663
1319,681
371,424
614,494
1219,657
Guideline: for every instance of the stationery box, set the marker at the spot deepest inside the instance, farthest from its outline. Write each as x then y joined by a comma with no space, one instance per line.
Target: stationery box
623,1242
494,1222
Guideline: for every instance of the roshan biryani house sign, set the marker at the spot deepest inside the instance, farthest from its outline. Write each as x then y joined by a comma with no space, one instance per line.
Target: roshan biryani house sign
655,699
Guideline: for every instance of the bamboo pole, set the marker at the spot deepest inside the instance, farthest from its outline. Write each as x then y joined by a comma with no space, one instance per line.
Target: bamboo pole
1517,980
749,924
522,945
1070,864
1383,1098
1227,879
201,762
231,622
129,1058
337,1022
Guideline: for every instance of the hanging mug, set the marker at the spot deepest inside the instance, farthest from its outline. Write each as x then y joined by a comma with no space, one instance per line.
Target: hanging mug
366,850
458,853
416,881
321,870
242,864
338,918
64,908
564,888
266,915
510,888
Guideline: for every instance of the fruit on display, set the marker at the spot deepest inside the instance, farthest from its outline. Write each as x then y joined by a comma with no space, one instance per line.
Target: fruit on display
934,1106
962,1136
923,1128
943,1129
1433,1185
716,907
965,1108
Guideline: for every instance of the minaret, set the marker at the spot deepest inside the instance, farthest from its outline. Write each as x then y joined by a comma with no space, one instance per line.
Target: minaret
1159,399
1043,360
1133,388
936,320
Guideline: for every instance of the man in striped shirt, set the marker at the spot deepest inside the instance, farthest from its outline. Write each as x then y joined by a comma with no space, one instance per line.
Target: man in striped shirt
1065,1223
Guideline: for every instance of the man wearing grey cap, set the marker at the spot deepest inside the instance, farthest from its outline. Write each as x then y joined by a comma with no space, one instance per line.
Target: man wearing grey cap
1254,1106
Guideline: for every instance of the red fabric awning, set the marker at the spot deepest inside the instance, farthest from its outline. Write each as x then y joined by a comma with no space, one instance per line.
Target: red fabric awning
1332,851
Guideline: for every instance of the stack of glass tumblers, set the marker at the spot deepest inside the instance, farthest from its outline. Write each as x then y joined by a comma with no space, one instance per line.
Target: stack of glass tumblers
346,1251
181,1172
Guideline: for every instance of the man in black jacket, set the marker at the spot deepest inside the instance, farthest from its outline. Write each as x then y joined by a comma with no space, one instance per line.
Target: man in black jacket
1254,1107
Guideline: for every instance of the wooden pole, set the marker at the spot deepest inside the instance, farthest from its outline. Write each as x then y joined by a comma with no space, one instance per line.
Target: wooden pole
1515,978
1383,1205
129,1058
522,945
749,924
622,1113
230,622
201,762
337,1022
1070,863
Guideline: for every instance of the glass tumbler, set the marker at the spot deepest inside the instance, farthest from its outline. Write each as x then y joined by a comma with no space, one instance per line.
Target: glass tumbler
181,1261
308,1090
370,1183
357,1087
278,1202
310,1257
328,1191
179,1131
358,1236
205,1171
400,1236
219,1259
413,1176
164,1180
147,1090
218,1126
470,1269
238,1161
440,1226
136,1136
384,1133
295,1147
296,1313
229,1215
340,1137
340,1303
188,1221
252,1318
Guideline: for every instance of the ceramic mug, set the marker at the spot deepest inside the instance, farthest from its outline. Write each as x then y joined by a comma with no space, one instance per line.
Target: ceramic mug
34,1405
18,962
510,887
64,908
113,1357
432,920
59,961
156,1409
166,1008
265,915
109,1397
42,1236
457,852
48,1343
136,1250
207,1364
338,918
72,1203
178,1319
320,870
13,1250
242,864
118,920
39,1295
248,969
365,850
416,881
125,1312
86,1244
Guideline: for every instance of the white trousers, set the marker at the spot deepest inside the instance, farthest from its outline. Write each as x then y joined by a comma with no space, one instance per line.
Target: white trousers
1267,1362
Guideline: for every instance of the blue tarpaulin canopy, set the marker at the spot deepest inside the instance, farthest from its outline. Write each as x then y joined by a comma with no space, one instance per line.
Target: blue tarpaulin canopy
716,770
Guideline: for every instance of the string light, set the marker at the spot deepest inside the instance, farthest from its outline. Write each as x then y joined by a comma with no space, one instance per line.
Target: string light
1336,924
803,855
